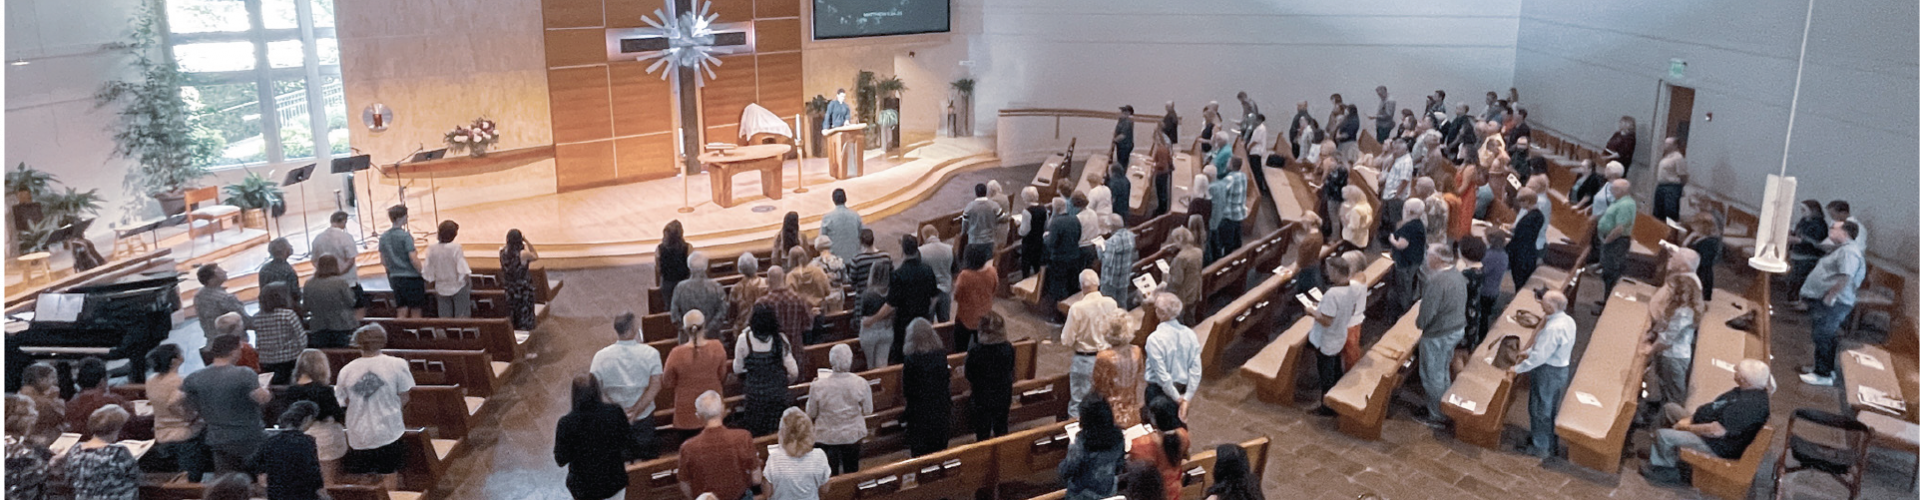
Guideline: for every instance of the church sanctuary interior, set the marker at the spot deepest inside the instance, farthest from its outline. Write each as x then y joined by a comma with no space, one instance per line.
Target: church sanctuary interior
962,249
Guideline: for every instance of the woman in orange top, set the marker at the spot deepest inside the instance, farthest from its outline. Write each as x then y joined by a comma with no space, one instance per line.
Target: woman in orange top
1166,447
1120,373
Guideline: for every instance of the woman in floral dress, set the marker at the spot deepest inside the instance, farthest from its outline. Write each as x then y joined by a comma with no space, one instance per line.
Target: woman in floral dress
514,259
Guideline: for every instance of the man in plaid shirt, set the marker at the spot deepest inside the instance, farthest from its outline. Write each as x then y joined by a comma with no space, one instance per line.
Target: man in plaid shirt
1229,208
792,310
1116,262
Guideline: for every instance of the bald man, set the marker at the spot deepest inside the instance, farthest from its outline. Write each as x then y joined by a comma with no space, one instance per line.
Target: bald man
1724,427
1615,227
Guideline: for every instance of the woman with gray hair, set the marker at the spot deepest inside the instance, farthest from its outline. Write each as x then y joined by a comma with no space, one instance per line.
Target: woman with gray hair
925,380
748,291
26,460
839,404
795,470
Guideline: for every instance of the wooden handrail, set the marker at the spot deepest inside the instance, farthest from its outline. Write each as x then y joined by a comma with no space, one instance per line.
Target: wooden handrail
1076,113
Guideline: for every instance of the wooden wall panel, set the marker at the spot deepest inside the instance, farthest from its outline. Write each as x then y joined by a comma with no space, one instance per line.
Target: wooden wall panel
780,83
576,47
645,157
728,133
571,13
642,103
583,165
627,13
578,99
733,11
776,8
776,35
726,96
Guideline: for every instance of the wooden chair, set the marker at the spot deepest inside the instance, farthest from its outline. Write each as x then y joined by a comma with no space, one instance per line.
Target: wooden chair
209,219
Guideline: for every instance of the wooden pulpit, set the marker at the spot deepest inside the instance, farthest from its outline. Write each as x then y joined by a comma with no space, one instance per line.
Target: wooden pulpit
846,145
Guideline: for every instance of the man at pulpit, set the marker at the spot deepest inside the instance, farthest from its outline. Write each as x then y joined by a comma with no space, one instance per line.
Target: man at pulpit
837,111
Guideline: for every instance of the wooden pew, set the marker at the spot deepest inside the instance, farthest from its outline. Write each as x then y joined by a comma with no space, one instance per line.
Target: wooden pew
1053,173
1276,368
177,488
425,463
470,369
1364,395
1609,374
1725,478
489,277
1252,310
444,411
1644,259
1293,197
1232,269
1198,470
493,335
1481,393
486,304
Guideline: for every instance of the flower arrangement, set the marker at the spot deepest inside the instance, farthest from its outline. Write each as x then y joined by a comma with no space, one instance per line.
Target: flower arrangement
475,138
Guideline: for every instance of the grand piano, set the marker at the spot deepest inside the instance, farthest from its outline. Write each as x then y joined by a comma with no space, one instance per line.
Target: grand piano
121,319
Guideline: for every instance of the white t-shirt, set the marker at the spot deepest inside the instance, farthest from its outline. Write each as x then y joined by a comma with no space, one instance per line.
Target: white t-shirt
624,369
370,388
336,242
1257,145
446,268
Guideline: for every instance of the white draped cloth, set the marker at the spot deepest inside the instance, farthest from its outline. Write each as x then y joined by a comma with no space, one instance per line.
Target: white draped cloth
756,119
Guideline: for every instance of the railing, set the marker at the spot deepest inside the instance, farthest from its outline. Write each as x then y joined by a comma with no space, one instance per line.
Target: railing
1027,135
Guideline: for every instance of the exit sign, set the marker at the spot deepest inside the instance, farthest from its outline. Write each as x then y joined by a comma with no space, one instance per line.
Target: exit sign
1676,69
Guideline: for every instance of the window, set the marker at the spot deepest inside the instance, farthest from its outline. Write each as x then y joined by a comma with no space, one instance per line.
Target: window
261,76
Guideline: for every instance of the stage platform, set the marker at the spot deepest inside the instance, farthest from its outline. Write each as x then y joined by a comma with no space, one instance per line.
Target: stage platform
620,225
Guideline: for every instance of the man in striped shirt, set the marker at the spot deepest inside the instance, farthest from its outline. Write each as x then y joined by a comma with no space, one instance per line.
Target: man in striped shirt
863,263
1229,208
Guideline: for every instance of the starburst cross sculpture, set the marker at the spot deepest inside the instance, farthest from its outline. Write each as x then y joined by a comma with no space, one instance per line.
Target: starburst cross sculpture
684,49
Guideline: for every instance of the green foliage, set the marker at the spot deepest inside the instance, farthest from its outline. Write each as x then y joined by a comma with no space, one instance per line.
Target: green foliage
817,105
889,118
71,206
33,238
890,87
296,141
964,86
33,181
866,98
254,191
155,128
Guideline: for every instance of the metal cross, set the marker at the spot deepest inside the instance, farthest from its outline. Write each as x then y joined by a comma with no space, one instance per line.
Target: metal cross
685,46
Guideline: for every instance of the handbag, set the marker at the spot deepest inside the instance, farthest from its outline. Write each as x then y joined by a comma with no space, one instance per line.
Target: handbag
1351,353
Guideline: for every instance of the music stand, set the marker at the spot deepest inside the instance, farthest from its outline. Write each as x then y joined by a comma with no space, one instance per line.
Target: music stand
299,176
428,155
350,165
432,180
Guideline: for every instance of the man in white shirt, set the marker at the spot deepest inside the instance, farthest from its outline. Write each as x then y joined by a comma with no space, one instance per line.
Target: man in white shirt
1173,355
629,373
374,389
1331,320
1259,148
1396,184
1547,361
335,241
1086,333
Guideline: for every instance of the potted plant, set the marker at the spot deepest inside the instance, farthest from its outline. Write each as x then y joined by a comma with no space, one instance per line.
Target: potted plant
71,206
155,125
817,120
889,90
254,194
26,183
475,138
866,100
963,90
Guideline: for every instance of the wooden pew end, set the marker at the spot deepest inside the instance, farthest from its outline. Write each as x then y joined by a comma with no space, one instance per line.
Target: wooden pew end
1724,478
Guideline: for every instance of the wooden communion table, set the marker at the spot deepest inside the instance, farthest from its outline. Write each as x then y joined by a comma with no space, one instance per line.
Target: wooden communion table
766,158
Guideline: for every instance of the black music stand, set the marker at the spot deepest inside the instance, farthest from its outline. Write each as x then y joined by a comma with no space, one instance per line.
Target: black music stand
422,156
299,176
350,165
428,155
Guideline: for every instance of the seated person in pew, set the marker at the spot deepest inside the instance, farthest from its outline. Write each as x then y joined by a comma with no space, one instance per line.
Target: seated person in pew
629,373
1173,356
1333,317
1724,427
289,457
927,382
595,464
794,469
92,377
100,468
1443,322
1092,467
1547,360
26,461
1233,477
1673,318
698,365
374,388
989,372
764,360
840,403
718,460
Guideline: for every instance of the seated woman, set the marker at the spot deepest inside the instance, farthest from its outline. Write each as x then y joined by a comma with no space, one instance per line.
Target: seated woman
100,468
